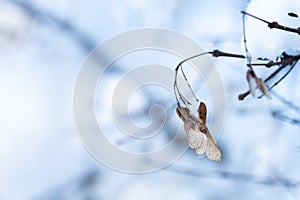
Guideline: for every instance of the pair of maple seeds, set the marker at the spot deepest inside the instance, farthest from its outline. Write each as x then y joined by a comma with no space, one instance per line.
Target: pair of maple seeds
198,135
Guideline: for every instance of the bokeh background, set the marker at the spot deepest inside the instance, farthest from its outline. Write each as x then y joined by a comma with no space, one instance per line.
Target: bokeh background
42,47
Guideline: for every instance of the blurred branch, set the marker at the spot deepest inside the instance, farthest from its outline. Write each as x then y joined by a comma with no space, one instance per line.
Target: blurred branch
286,102
280,114
45,17
84,40
235,176
81,186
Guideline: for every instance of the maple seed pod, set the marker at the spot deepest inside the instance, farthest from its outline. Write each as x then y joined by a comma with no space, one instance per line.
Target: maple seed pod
263,88
251,82
198,135
202,112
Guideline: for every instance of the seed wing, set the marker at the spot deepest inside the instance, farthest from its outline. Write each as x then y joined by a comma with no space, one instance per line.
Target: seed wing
212,150
197,141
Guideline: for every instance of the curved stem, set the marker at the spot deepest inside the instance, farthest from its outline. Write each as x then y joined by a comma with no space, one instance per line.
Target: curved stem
179,97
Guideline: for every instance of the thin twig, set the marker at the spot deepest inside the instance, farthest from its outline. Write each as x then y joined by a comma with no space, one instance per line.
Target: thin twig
286,60
248,55
287,73
215,53
187,82
245,13
176,88
218,53
274,74
274,24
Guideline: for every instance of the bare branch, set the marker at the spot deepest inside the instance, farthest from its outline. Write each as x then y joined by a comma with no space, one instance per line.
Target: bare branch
248,55
274,24
218,53
178,95
287,73
285,61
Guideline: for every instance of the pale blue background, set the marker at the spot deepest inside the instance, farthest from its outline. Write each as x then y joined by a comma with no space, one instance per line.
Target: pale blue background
42,47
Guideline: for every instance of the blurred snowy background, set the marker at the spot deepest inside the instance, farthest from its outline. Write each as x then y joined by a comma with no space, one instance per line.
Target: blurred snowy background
42,47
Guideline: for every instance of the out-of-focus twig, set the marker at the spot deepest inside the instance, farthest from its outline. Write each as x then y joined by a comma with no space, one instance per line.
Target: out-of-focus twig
280,114
235,176
45,17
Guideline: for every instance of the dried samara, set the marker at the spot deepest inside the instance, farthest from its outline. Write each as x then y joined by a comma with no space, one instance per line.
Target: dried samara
198,135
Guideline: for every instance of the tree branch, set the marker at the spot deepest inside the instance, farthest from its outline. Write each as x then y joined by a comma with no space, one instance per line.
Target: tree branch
285,61
274,24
